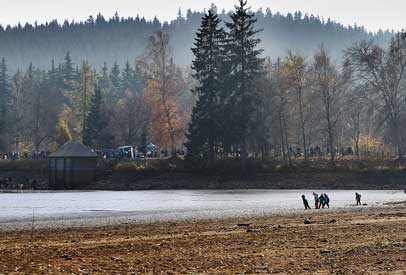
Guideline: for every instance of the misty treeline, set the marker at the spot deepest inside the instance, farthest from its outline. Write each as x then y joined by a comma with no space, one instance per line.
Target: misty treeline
43,109
115,39
253,107
234,102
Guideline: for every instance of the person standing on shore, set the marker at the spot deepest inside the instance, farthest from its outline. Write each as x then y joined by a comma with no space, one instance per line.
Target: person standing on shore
327,200
322,201
358,198
316,200
305,203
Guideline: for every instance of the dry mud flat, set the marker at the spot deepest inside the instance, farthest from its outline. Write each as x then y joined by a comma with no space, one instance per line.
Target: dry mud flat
357,241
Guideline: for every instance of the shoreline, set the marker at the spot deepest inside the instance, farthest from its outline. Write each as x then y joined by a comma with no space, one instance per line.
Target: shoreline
100,218
174,174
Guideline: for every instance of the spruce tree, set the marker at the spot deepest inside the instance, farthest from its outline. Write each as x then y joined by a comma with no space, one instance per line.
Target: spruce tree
246,67
68,72
115,76
2,128
95,133
204,128
82,96
5,95
5,91
115,82
128,78
104,83
143,141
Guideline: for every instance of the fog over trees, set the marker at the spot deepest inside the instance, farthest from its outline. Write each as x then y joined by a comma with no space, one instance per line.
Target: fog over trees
246,85
99,39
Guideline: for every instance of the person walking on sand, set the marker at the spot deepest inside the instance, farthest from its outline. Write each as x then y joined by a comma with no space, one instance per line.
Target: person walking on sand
358,198
305,203
316,200
322,201
326,200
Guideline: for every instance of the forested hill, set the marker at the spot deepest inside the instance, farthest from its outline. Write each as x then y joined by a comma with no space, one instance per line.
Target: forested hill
99,40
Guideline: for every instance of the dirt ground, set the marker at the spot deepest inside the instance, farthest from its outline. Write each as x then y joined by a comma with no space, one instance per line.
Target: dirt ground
357,241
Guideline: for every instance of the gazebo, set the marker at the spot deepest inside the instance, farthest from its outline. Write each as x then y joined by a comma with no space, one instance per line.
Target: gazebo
71,166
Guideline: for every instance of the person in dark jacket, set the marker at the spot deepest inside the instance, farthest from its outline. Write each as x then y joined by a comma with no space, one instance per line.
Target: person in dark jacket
305,202
316,200
358,198
326,200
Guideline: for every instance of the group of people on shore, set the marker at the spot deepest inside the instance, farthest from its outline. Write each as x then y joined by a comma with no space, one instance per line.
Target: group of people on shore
323,200
320,201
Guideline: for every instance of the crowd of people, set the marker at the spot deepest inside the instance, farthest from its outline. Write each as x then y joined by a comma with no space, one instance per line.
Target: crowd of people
122,154
317,151
323,200
13,155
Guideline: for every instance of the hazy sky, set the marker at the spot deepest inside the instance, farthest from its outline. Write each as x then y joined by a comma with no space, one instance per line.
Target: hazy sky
373,14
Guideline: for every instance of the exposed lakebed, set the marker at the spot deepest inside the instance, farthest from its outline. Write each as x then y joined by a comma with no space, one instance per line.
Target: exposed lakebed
23,209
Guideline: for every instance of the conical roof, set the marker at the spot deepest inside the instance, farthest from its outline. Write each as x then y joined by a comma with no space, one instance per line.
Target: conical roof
73,149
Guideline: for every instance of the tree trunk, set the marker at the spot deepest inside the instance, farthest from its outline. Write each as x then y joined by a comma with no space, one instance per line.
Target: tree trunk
243,154
331,141
287,141
170,124
282,139
302,123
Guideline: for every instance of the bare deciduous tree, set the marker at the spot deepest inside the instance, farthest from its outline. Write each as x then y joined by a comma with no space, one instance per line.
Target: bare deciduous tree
326,81
295,69
384,70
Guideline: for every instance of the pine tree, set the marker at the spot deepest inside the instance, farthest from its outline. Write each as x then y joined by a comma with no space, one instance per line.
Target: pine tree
115,82
95,133
204,128
5,97
4,81
105,86
68,73
115,75
128,78
2,128
82,97
144,141
5,89
246,66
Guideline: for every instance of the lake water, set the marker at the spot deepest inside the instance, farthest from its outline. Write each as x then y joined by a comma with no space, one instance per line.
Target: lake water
146,206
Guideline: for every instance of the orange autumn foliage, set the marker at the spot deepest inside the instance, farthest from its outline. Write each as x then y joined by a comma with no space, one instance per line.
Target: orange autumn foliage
168,118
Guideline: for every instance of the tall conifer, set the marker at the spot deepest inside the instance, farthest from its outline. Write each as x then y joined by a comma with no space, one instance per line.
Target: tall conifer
95,133
5,91
68,73
246,67
4,100
208,51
